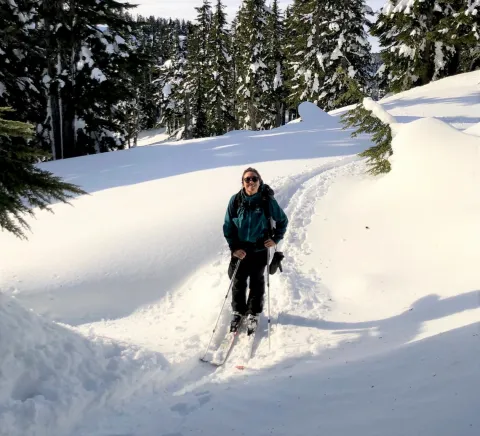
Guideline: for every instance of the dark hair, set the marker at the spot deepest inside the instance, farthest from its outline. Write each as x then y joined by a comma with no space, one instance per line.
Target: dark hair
252,170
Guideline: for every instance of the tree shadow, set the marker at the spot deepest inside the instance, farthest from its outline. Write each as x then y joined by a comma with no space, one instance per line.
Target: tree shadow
427,387
396,330
127,167
467,100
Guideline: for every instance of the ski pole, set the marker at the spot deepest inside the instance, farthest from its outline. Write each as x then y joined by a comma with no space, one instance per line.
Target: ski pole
268,294
221,310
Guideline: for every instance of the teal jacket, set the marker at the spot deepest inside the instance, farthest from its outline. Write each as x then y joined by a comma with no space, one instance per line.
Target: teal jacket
249,228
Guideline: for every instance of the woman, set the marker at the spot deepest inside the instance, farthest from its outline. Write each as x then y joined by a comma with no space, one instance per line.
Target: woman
249,235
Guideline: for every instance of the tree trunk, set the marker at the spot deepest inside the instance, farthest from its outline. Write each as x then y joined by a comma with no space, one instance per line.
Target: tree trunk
53,8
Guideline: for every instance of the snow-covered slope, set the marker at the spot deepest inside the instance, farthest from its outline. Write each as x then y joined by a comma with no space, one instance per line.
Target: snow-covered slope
375,319
454,100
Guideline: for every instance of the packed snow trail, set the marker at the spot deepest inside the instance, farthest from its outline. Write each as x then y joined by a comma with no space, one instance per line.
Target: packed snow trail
295,292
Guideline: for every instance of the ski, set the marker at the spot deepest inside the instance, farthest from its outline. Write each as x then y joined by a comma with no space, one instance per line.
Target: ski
248,349
220,355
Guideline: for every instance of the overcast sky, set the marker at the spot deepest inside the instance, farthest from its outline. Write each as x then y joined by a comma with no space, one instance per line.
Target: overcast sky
186,8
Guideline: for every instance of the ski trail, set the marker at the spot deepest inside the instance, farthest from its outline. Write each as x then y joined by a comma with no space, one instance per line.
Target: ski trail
295,291
180,389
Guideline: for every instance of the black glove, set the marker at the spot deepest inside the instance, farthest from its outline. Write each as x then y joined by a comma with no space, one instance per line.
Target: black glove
276,262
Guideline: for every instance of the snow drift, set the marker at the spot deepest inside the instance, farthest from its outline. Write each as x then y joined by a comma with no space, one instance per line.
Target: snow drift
50,375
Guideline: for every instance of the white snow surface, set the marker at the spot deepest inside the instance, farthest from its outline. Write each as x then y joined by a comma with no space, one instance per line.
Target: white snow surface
454,100
474,130
152,136
106,309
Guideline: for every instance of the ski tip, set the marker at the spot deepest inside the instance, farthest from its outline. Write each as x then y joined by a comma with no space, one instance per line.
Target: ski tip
241,367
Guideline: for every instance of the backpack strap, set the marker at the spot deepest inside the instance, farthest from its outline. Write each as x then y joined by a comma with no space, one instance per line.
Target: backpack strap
236,203
267,193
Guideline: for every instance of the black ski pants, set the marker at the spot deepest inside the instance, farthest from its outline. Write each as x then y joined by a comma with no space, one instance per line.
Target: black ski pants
253,267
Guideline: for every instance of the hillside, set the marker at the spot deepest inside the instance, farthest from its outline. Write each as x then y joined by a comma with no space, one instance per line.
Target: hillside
107,307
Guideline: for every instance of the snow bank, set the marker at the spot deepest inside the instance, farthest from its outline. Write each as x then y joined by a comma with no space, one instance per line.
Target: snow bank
310,113
152,136
474,130
379,112
454,100
411,233
49,374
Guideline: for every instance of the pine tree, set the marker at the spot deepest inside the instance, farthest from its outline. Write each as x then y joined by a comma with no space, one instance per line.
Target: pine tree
336,38
460,29
87,74
411,55
276,65
296,27
23,186
149,44
221,96
171,77
21,60
364,122
253,85
198,78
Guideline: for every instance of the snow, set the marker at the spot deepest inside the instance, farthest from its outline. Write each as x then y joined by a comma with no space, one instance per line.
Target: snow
375,319
55,373
152,136
310,113
453,100
87,54
379,112
98,75
474,130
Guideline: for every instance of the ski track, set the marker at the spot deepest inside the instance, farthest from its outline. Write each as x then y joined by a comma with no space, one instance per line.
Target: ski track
183,386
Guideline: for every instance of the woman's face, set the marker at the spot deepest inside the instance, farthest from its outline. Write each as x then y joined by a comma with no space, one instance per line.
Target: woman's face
251,183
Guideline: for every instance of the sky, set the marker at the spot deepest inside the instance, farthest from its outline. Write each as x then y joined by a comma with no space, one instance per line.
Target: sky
186,9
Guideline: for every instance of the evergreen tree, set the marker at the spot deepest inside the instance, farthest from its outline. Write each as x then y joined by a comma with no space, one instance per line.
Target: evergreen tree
198,78
276,63
364,122
411,55
459,29
221,95
171,76
336,38
295,27
87,75
23,186
150,44
251,63
22,61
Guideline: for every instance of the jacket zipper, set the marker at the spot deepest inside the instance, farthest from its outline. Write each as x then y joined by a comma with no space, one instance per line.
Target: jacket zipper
249,224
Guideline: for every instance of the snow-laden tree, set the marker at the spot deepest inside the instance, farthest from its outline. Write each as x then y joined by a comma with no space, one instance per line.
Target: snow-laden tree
198,77
294,45
253,84
171,77
276,65
336,39
411,56
460,30
22,64
23,186
221,92
87,74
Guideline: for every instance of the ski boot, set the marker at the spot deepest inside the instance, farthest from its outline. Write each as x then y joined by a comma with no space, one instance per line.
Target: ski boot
252,323
236,321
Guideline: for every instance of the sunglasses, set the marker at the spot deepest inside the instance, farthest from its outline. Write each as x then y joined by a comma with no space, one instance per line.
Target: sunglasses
251,179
